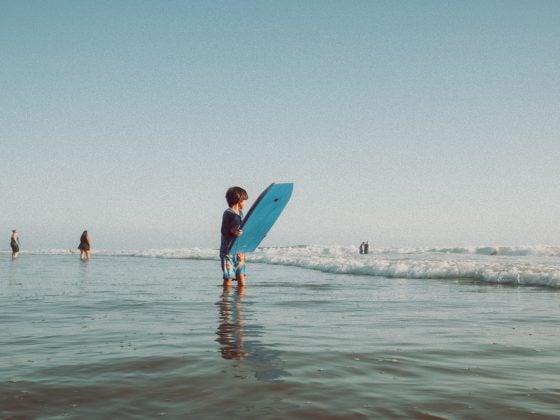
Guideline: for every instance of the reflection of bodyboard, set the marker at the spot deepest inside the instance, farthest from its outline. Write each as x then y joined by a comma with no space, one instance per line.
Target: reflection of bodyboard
261,216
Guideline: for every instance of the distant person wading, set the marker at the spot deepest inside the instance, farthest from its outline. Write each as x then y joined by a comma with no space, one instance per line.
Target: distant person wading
364,246
85,246
14,244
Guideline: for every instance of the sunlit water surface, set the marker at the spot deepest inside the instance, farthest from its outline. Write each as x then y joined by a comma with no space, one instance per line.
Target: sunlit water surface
145,337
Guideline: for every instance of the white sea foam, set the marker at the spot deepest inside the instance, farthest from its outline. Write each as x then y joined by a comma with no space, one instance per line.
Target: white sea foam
537,266
525,266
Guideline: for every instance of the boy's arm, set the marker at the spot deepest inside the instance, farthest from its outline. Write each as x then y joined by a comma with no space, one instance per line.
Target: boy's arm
227,224
230,225
236,223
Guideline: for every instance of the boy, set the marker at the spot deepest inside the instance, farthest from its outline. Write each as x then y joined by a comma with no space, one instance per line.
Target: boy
233,266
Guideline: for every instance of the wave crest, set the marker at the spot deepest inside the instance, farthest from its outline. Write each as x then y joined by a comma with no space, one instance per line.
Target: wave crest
535,266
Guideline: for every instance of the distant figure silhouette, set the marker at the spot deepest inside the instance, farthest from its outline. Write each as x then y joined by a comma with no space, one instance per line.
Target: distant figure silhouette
85,246
366,247
362,247
14,243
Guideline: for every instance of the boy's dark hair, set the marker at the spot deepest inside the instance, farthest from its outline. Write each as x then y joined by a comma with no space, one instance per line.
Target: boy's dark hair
235,194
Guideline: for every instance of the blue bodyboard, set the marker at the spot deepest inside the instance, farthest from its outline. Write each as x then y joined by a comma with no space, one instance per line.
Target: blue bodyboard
261,216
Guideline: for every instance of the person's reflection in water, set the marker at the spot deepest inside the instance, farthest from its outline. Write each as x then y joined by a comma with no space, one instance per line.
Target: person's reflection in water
230,329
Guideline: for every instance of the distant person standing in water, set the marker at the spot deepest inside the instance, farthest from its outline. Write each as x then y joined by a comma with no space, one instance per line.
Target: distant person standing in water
85,246
362,247
366,247
14,243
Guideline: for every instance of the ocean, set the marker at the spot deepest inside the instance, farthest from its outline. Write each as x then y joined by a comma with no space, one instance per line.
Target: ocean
319,332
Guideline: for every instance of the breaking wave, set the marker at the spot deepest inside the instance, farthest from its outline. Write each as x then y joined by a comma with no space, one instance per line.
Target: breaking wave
534,266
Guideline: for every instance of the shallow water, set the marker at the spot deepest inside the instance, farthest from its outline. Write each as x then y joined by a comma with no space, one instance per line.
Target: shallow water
147,337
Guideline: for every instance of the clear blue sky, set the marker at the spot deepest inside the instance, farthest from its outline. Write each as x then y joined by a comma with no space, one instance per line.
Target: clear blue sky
405,123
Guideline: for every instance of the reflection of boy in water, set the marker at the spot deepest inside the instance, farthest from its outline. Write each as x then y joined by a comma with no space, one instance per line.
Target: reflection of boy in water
230,329
233,266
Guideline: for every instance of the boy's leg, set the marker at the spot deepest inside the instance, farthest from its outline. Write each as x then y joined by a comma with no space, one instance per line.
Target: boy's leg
240,269
228,270
241,280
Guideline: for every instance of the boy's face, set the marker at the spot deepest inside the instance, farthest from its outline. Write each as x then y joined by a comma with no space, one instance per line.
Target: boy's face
242,204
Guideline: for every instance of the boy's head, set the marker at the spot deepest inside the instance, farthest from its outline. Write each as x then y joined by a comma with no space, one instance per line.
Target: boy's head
235,195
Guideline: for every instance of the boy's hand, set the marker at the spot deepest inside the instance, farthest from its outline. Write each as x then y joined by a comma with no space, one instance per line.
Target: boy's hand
237,231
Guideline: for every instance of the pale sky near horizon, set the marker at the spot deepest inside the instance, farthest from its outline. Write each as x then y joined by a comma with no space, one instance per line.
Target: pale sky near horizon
405,123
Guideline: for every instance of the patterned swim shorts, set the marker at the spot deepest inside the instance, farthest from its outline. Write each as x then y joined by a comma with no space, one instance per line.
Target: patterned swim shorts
233,266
